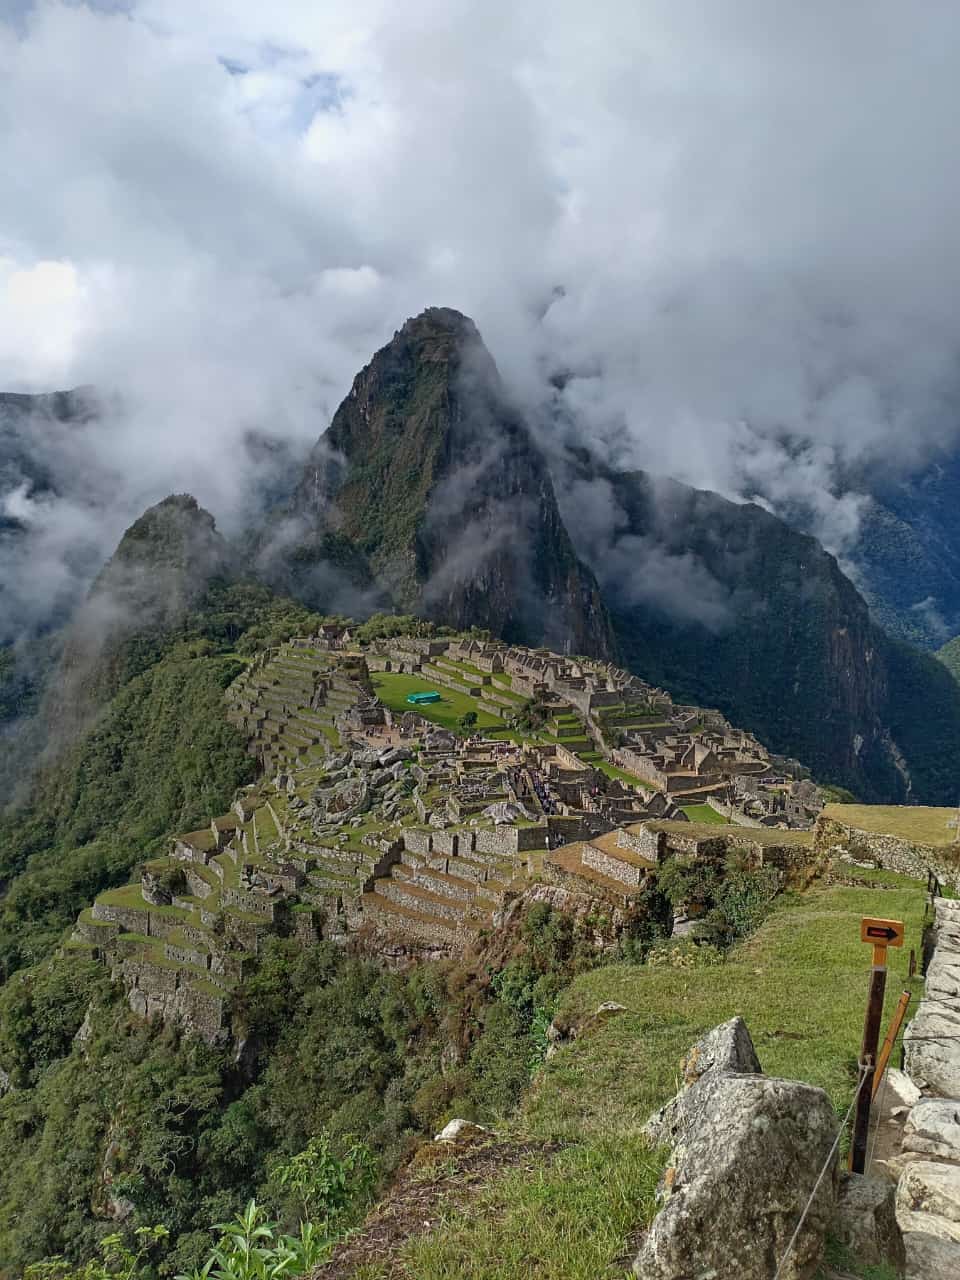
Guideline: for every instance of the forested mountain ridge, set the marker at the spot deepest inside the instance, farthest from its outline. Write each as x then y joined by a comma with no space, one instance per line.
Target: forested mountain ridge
907,551
725,603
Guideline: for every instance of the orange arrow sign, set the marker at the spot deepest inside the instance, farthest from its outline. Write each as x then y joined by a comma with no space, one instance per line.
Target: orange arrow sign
881,933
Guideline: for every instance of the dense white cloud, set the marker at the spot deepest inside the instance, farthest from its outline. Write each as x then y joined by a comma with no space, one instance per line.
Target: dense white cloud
733,228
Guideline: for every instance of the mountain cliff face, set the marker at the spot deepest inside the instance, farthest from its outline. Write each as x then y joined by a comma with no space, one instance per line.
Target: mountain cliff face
429,476
907,552
428,494
432,476
727,605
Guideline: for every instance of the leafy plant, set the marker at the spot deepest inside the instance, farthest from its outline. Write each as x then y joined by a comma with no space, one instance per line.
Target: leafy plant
250,1248
325,1184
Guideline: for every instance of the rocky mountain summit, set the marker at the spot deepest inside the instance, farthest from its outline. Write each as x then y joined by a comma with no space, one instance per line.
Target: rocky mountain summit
431,494
431,474
161,567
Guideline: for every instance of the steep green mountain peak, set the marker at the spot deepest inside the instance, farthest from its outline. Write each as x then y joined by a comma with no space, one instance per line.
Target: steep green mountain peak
429,470
160,569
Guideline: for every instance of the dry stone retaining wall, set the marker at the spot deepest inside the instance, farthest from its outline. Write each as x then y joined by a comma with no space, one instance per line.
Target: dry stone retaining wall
928,1193
646,843
892,852
612,867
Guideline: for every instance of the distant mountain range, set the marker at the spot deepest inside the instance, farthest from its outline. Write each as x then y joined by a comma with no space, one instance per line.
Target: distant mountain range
429,495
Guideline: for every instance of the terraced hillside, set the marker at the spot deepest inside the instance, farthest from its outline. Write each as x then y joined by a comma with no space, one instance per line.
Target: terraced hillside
335,839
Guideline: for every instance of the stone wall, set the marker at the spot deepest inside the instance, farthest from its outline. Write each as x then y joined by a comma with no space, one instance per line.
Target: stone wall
196,885
608,865
506,842
257,903
432,932
892,853
691,847
928,1192
396,891
648,844
446,843
568,878
135,919
245,932
731,812
418,841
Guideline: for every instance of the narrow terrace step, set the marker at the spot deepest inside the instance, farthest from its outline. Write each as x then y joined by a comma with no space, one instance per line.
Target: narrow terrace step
489,897
425,900
474,869
445,885
334,882
409,920
312,718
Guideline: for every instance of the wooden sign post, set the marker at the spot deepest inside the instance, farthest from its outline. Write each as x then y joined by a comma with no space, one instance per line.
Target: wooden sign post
880,934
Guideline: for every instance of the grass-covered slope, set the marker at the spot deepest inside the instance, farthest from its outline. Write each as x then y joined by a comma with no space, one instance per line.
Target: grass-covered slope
584,1178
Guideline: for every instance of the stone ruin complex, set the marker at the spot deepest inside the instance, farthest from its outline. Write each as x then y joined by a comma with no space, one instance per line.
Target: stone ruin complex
382,829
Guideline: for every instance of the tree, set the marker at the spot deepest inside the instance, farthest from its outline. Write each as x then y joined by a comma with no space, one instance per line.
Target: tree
468,720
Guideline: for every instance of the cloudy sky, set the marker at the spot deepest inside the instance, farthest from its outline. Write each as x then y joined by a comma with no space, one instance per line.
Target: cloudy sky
733,227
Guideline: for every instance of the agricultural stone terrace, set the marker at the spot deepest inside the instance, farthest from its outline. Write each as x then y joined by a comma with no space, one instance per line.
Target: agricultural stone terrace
407,829
621,864
912,839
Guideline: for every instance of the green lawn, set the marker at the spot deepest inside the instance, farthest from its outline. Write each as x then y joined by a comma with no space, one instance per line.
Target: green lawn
392,689
702,813
909,822
800,983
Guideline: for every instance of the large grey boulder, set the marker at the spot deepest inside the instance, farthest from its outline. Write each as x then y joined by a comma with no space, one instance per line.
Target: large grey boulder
727,1048
932,1130
931,1046
746,1157
928,1201
866,1221
930,1257
943,977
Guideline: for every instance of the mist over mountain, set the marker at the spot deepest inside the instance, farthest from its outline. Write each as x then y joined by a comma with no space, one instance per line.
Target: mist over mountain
691,252
697,243
430,494
433,477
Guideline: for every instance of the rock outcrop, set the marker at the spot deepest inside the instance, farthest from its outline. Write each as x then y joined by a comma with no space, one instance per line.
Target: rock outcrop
746,1154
